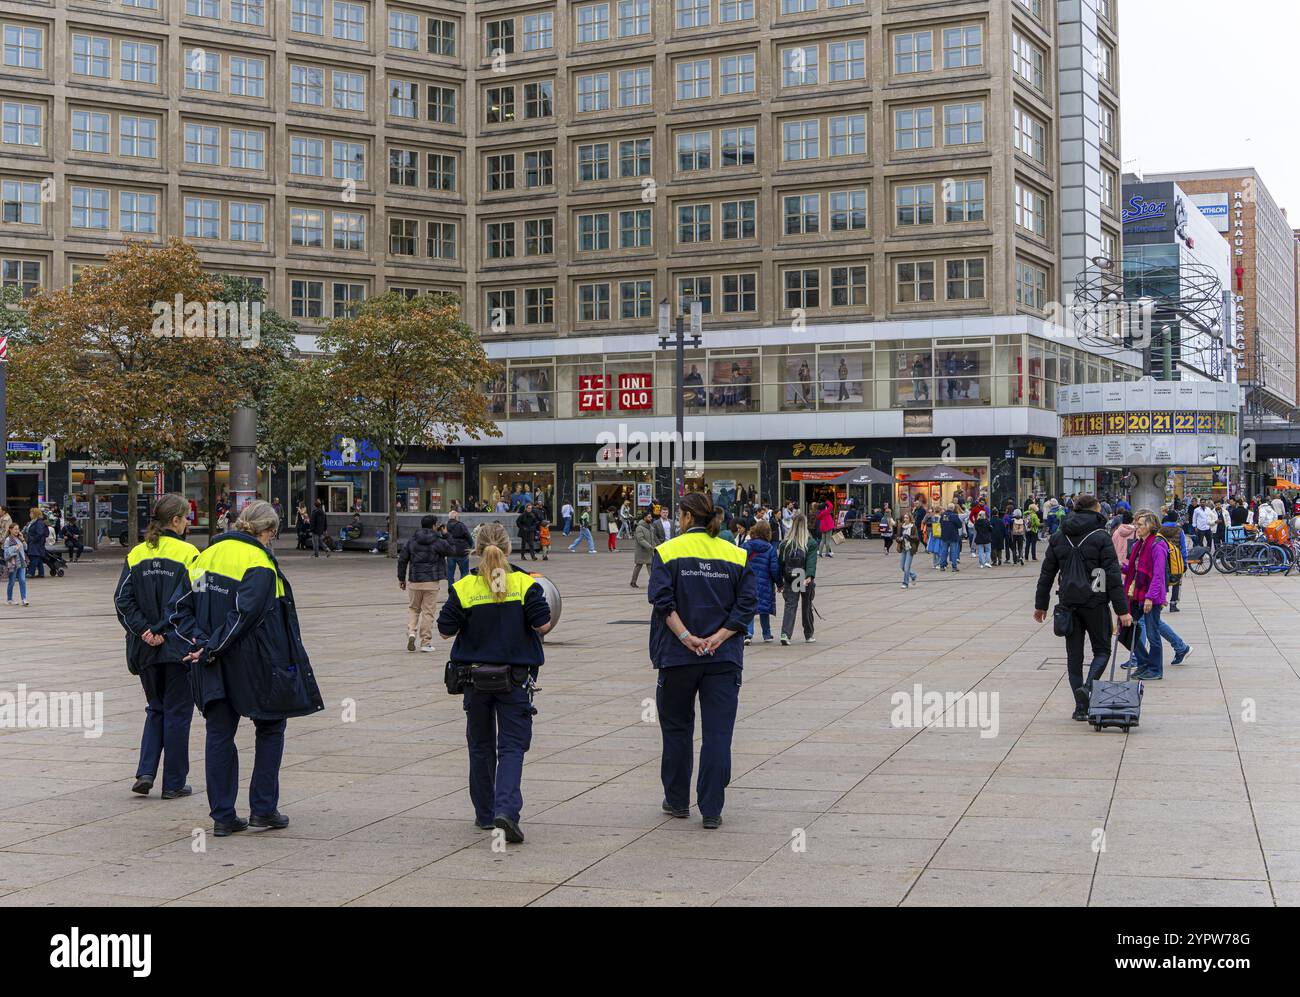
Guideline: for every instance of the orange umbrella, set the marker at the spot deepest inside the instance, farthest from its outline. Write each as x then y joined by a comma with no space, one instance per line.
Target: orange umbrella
1283,483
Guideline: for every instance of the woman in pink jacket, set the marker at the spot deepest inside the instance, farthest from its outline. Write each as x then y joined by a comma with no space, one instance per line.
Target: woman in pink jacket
1145,584
1123,536
826,525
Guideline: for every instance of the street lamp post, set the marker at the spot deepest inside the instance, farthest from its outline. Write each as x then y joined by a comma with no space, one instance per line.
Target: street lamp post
678,342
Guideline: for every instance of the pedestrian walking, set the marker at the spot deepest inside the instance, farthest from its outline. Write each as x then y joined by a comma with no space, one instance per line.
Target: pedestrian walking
319,529
646,542
797,560
421,568
1145,585
497,616
766,568
235,610
614,525
38,531
1018,536
526,523
984,539
584,533
15,562
462,543
566,517
998,537
696,645
825,527
1033,526
1081,553
887,527
150,574
909,542
950,534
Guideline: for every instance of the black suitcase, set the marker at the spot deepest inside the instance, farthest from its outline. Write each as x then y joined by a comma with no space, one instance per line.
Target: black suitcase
1115,704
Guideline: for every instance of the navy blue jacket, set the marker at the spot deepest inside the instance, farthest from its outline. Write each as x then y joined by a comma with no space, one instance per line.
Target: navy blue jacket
149,577
491,631
949,527
424,557
236,608
38,531
708,583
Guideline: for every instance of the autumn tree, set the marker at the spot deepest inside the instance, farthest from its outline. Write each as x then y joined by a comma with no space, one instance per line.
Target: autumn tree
93,371
406,373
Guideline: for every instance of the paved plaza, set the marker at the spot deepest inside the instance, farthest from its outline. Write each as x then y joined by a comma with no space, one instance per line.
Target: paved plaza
831,802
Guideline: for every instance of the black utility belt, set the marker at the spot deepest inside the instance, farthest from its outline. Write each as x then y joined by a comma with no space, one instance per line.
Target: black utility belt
484,678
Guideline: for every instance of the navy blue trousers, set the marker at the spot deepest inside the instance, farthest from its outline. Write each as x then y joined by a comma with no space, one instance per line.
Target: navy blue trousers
166,723
222,763
499,730
717,684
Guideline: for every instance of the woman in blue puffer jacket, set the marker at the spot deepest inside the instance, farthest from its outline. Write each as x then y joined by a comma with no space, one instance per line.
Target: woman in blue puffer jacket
766,567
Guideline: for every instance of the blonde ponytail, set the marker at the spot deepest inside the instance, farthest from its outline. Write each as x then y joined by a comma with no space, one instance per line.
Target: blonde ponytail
165,510
492,544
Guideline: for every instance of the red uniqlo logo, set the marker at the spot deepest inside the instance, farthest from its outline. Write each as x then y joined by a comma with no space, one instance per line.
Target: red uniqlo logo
592,396
634,391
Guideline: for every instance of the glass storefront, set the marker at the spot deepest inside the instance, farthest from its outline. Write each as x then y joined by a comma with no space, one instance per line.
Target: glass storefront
194,486
512,487
805,483
1037,481
602,489
346,491
731,486
906,491
428,488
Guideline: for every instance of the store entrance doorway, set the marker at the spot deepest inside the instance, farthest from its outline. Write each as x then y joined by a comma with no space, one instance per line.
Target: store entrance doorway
335,498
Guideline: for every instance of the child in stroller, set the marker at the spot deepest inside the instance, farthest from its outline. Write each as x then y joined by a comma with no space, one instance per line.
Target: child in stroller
55,563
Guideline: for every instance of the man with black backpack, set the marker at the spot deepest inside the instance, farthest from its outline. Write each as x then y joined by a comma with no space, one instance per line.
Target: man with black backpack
1090,579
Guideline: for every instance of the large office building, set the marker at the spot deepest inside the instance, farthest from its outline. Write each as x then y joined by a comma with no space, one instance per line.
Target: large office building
1263,282
875,203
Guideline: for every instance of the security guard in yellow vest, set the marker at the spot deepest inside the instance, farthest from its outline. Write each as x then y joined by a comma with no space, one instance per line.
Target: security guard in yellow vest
497,616
704,595
148,579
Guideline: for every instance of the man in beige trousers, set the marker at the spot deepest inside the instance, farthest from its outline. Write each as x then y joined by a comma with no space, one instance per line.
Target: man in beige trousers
421,568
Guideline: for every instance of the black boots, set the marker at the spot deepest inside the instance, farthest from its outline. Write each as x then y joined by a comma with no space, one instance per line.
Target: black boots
1081,696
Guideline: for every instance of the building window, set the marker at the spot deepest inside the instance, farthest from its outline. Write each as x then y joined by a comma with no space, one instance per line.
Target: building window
914,204
634,231
694,79
539,99
736,74
739,219
847,60
306,85
90,56
1031,210
803,288
1027,60
693,13
694,223
137,212
442,105
403,98
247,77
699,289
635,299
1030,136
915,282
593,162
24,48
914,128
963,124
1108,189
347,299
963,47
349,231
634,157
441,240
801,140
539,305
1107,121
847,135
593,233
633,18
22,274
403,30
306,156
739,146
848,286
634,87
501,172
403,236
802,214
964,201
500,105
247,222
307,228
501,308
730,11
137,137
913,52
251,12
349,91
90,132
203,144
1105,63
202,218
24,124
539,32
694,151
593,302
349,21
539,168
739,293
799,66
441,35
306,298
499,37
349,161
307,17
441,171
500,240
964,279
21,202
539,237
848,210
403,168
593,92
593,23
1031,286
247,148
139,63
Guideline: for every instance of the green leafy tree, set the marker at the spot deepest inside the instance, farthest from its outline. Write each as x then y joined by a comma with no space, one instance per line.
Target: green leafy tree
406,373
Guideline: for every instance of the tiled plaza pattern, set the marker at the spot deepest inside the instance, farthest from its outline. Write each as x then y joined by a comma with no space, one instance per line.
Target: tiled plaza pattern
1197,806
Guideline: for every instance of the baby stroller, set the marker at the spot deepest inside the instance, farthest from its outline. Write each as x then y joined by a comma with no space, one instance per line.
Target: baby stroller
55,563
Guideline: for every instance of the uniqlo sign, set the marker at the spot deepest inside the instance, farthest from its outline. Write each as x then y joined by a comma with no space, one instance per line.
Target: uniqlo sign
634,391
592,396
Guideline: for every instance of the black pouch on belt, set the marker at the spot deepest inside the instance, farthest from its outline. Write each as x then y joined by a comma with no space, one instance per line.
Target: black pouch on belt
1062,621
490,678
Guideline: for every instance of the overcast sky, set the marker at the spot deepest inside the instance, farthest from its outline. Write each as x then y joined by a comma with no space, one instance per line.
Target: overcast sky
1211,85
